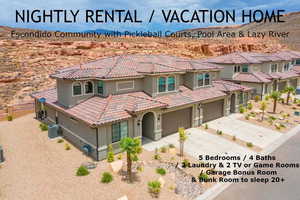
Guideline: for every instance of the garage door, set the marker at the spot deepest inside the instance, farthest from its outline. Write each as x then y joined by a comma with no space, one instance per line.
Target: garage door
281,85
171,121
293,83
213,110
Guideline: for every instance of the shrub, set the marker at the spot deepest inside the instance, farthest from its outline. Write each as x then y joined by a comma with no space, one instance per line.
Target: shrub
203,177
156,157
67,147
249,106
60,140
219,132
272,118
186,162
119,156
110,154
154,188
163,149
256,98
234,138
106,177
82,171
171,146
247,117
206,126
249,144
161,171
242,109
9,118
267,98
282,126
140,168
43,127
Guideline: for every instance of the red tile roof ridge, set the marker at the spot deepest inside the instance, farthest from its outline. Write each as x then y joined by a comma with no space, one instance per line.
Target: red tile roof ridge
115,64
105,107
150,99
254,74
225,86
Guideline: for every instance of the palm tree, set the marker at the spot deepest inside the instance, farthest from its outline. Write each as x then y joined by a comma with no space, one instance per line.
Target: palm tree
289,90
263,107
133,147
275,96
182,139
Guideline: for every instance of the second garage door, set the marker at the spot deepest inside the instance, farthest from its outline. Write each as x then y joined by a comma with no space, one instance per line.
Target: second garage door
171,121
213,110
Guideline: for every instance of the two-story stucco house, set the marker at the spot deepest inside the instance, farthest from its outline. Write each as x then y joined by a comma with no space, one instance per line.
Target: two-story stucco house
100,102
261,71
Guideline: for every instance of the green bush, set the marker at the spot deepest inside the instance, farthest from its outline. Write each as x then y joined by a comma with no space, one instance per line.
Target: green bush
161,171
219,132
110,154
67,147
140,168
247,117
60,140
163,149
186,162
119,156
256,98
267,98
203,177
171,146
249,144
82,171
43,127
206,126
156,157
9,118
106,177
154,188
249,106
242,109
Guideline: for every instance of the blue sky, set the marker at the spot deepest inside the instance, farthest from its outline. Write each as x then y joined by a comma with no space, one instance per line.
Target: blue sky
144,7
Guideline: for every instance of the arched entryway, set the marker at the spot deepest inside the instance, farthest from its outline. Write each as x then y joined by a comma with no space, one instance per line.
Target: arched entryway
148,125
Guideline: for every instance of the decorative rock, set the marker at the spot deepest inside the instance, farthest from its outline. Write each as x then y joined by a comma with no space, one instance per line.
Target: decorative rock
116,166
162,181
123,198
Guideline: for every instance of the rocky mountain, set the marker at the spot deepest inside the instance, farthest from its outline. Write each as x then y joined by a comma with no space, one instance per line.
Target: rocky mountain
291,25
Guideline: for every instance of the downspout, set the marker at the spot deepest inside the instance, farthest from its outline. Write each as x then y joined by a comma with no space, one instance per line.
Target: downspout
97,144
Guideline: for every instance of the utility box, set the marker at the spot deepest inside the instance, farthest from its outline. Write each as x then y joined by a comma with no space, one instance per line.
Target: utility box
1,154
53,131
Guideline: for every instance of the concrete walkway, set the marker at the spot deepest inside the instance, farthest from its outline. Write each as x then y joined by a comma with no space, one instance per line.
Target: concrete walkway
200,142
245,131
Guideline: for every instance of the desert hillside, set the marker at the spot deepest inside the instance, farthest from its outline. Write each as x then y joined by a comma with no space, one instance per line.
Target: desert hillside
25,64
291,24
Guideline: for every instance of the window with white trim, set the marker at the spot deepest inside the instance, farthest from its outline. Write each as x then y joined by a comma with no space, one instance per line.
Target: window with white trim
100,87
88,86
274,68
203,79
286,67
77,90
119,131
237,68
166,84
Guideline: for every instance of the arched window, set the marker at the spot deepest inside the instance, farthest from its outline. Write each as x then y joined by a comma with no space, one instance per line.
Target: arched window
88,86
77,88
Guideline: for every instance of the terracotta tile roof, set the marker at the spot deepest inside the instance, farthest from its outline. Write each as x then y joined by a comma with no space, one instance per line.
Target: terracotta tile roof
254,77
284,75
296,68
132,66
98,110
227,86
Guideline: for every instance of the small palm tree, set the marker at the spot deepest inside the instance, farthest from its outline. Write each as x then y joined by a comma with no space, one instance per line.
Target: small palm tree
289,90
263,107
132,147
182,139
275,96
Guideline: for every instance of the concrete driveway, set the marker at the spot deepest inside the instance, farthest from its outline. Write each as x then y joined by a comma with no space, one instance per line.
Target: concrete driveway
200,142
248,132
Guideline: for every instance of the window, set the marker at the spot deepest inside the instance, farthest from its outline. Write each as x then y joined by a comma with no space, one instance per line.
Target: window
166,84
119,131
286,67
100,87
171,83
237,68
207,79
77,89
266,88
273,67
245,68
241,99
88,87
297,62
200,78
203,79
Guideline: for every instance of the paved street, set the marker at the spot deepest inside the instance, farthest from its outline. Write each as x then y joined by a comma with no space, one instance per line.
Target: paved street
288,153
